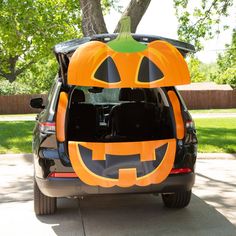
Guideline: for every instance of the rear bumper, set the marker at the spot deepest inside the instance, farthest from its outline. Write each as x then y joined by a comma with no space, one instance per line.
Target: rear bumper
61,187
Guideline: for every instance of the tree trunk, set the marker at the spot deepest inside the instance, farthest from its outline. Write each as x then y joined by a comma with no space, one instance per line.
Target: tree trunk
135,10
92,17
93,20
12,70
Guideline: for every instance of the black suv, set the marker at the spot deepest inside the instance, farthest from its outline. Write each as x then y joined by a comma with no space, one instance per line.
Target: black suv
109,115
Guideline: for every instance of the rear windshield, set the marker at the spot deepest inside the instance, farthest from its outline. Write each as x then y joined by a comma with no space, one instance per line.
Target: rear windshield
117,95
102,96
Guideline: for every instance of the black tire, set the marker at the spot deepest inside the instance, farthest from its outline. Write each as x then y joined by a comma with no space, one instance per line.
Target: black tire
177,200
43,205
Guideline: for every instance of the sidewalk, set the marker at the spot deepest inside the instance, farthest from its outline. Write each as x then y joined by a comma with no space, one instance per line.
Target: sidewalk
212,156
28,117
207,156
213,115
31,117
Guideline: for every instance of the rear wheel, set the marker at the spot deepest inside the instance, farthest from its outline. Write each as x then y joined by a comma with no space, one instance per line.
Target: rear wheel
177,200
43,205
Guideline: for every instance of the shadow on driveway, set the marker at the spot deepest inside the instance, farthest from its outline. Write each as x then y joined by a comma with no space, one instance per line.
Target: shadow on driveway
141,214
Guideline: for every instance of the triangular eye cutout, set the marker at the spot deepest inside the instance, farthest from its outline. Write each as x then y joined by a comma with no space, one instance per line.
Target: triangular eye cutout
107,71
148,71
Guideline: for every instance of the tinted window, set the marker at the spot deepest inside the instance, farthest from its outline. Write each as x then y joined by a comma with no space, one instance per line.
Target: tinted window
105,96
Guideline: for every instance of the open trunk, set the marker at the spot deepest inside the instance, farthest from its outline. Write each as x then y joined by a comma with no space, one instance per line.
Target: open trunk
120,137
121,118
119,115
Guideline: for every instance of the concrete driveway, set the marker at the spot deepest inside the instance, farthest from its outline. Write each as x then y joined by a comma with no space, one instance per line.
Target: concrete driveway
212,210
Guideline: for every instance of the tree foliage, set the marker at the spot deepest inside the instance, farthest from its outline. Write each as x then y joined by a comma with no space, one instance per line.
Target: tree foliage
199,20
29,29
226,73
196,74
34,81
199,71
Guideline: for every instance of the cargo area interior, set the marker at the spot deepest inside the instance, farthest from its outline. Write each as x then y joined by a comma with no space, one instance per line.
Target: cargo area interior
118,115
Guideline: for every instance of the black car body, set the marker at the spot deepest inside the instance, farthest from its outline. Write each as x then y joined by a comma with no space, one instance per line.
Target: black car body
54,175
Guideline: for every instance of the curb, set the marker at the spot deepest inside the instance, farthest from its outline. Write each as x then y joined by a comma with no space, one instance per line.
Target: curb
213,156
201,156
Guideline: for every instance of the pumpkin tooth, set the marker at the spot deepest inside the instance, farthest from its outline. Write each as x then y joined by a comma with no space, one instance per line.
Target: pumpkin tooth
147,155
127,177
98,154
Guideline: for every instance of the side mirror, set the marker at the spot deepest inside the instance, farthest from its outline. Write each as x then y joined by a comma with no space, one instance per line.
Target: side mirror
37,103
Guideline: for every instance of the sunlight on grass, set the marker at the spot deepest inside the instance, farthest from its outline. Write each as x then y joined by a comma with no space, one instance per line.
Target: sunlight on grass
216,134
16,137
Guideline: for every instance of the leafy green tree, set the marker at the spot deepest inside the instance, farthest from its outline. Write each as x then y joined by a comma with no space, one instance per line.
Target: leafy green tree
199,19
199,71
226,73
34,81
29,29
196,73
228,59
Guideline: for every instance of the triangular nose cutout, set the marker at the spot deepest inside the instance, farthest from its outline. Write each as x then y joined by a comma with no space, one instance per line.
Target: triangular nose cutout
148,71
107,71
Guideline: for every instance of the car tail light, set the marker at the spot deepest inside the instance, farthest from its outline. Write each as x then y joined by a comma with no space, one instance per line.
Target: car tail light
180,171
47,127
62,175
190,124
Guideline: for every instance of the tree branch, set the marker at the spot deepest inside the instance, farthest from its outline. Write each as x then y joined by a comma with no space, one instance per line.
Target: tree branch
2,73
13,71
207,13
135,10
22,69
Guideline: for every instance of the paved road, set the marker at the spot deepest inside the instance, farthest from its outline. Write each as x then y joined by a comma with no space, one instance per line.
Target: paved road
212,210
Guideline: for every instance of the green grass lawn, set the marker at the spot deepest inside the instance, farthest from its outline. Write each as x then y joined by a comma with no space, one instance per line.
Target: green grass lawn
16,136
214,135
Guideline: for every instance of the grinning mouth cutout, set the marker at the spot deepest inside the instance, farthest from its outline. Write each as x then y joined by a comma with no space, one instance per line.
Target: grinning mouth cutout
112,164
122,164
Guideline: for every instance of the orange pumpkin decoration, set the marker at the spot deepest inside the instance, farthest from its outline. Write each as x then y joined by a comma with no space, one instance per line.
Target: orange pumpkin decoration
97,64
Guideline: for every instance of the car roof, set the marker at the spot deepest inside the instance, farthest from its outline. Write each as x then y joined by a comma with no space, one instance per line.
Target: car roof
70,46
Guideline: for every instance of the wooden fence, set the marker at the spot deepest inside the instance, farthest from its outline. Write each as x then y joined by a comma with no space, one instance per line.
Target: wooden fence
18,104
209,99
194,99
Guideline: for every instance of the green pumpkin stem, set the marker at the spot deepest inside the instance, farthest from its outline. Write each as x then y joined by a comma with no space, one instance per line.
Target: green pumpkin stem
124,42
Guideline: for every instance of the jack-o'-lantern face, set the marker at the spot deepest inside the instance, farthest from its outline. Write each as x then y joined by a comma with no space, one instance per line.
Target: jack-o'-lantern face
117,65
123,164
